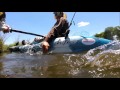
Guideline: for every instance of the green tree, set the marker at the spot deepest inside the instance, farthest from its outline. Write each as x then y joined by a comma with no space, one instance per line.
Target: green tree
109,32
101,35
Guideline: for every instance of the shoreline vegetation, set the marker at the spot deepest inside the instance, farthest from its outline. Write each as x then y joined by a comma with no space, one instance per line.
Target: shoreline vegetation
109,33
5,48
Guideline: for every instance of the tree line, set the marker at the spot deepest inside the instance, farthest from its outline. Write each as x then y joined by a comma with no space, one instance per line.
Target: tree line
110,33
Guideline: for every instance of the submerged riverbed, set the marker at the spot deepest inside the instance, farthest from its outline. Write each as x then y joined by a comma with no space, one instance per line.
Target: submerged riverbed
100,62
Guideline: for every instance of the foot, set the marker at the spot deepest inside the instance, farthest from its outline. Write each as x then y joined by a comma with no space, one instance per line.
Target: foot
45,47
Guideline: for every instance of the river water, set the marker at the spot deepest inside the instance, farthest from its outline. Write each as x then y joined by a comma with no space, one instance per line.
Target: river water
100,62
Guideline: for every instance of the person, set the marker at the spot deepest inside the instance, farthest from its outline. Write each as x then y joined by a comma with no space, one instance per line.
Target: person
3,26
23,42
37,40
59,30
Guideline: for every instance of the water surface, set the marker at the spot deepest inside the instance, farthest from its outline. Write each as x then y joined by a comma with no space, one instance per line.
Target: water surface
100,62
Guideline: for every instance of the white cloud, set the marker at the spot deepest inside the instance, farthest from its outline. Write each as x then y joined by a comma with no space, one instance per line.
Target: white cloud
82,24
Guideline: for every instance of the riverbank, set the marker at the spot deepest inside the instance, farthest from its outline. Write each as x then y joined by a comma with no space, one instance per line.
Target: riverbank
5,48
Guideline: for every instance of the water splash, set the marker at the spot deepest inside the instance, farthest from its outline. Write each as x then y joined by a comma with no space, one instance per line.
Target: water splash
110,47
32,49
102,61
115,37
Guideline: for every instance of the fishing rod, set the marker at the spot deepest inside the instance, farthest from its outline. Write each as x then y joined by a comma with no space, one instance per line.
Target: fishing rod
13,30
71,24
72,20
68,31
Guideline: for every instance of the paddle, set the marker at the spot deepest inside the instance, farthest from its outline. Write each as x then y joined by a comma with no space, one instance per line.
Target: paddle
26,32
30,33
11,30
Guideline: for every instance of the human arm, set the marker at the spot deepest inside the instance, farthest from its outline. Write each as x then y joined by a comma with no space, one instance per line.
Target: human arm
3,26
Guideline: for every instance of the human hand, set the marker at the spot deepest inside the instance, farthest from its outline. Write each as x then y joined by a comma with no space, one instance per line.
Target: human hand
6,29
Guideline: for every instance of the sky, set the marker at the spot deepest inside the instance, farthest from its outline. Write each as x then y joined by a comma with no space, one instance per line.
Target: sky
86,23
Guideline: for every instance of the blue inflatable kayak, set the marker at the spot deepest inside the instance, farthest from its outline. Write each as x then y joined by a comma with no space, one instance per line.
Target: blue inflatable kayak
73,44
